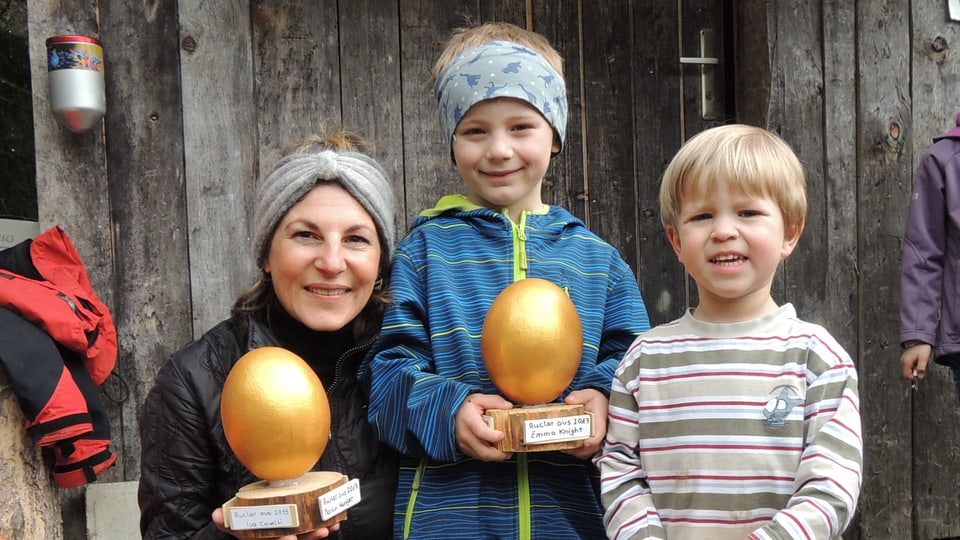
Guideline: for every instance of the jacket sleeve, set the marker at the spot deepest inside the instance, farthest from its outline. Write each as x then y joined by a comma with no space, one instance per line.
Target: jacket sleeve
412,408
178,469
625,493
829,476
624,318
921,271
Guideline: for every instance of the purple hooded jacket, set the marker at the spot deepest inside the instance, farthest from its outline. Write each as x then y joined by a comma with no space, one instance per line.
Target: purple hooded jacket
930,271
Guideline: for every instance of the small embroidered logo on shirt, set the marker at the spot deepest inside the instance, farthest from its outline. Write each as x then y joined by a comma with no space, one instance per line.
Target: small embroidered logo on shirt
778,408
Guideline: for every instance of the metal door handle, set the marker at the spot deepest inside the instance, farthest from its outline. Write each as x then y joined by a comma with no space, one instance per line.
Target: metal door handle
698,60
706,61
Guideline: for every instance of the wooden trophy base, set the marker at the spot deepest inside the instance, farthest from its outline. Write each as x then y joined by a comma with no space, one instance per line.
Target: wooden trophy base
540,428
260,510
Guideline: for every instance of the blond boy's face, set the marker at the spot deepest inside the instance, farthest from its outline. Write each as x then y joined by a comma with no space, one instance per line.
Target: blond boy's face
731,243
502,148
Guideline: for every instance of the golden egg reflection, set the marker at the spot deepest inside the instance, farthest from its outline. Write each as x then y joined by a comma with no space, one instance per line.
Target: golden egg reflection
275,414
532,341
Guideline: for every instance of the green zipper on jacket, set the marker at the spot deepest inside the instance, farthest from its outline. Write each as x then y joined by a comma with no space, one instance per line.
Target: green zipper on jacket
519,247
523,498
412,503
524,525
523,482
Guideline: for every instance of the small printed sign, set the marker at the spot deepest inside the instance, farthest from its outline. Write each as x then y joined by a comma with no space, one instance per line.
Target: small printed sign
337,500
565,428
14,231
274,516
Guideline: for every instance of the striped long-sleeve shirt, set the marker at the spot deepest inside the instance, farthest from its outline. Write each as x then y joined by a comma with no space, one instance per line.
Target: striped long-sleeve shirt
733,431
456,260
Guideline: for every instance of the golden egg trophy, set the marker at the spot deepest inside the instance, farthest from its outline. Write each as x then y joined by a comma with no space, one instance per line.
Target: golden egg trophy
532,341
276,418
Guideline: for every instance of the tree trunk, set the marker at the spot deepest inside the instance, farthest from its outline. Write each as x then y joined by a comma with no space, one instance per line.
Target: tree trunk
29,499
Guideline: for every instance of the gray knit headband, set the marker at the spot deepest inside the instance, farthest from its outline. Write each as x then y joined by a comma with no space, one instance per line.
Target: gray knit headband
295,175
501,69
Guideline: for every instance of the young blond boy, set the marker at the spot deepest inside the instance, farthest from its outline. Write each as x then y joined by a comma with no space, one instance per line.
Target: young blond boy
737,420
503,108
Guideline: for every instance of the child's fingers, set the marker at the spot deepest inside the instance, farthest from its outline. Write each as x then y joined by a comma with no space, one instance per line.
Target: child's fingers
474,437
476,441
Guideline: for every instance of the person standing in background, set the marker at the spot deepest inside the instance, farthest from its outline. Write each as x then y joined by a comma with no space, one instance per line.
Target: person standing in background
930,269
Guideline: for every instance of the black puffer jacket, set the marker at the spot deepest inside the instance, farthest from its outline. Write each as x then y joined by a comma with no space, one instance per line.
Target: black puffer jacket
188,469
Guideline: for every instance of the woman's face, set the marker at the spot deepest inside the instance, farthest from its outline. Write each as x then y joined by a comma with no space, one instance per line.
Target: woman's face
324,258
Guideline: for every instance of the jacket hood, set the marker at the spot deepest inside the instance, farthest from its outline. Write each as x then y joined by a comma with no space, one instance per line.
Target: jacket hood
552,221
952,134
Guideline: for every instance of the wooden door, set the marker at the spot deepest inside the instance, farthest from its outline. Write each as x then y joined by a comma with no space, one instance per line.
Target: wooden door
366,63
632,103
668,99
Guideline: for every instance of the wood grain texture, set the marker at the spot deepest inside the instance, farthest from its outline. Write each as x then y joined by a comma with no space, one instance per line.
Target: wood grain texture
203,97
29,498
607,101
659,128
934,79
427,168
512,422
837,304
797,115
297,75
372,80
73,192
303,495
220,152
884,165
145,163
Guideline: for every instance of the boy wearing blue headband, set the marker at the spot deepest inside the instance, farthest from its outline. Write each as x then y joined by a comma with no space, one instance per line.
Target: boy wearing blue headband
503,107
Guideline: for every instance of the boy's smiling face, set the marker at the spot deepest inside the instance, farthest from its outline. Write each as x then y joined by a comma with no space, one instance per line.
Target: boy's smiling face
731,243
502,148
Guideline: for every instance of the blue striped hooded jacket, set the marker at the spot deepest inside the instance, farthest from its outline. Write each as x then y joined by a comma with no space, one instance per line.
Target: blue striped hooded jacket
447,272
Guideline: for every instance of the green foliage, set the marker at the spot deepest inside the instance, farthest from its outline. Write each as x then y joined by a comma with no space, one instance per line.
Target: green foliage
18,188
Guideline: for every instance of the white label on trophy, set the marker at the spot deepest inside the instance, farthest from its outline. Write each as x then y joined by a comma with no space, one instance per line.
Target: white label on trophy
274,516
565,428
337,500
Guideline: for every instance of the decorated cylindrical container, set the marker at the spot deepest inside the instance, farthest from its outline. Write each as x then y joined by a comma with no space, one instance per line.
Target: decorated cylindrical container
75,69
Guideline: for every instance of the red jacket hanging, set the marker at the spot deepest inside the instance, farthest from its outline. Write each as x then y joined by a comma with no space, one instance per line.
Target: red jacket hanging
63,303
58,342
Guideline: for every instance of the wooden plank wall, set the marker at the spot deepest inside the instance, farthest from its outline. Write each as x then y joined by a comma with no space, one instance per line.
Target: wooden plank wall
203,96
859,89
934,80
72,191
885,165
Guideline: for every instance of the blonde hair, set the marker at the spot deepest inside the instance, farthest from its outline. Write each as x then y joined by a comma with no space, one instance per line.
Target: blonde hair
340,140
466,38
748,158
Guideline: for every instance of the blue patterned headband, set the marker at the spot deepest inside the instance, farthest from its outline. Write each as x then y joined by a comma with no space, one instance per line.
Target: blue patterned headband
501,69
